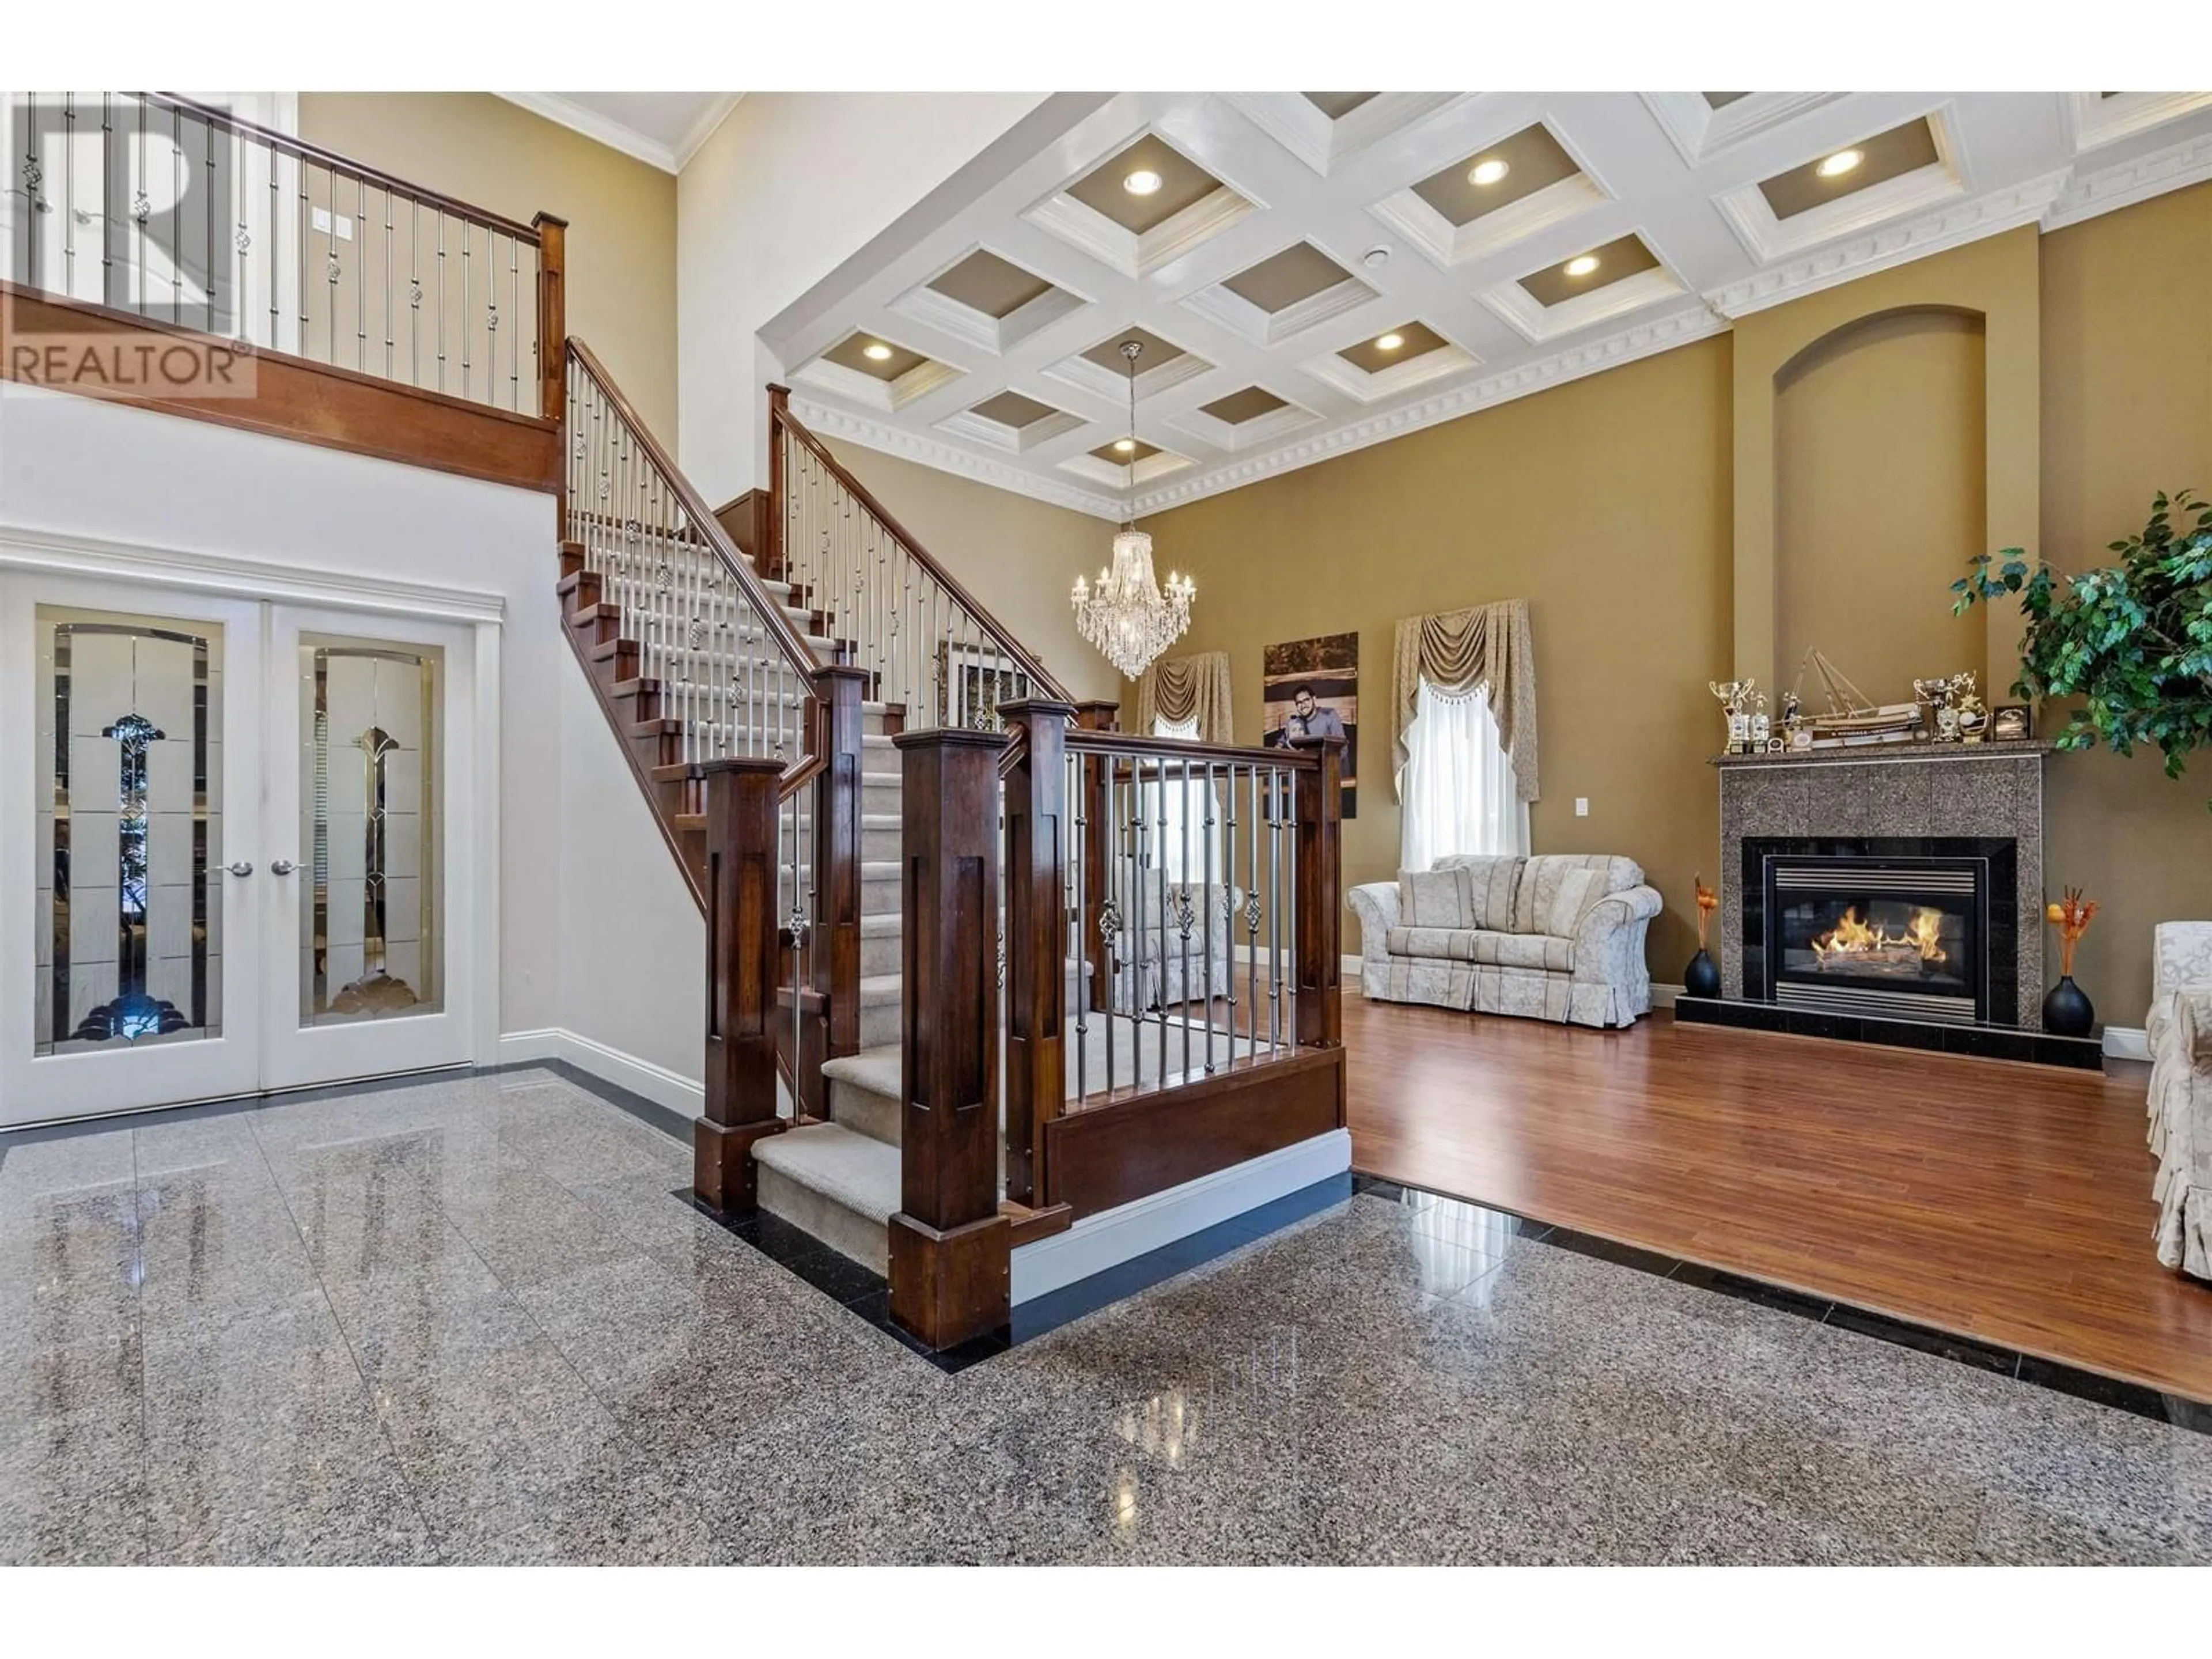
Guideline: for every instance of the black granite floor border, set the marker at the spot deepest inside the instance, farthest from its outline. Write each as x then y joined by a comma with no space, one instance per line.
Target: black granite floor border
2177,1409
671,1123
864,1293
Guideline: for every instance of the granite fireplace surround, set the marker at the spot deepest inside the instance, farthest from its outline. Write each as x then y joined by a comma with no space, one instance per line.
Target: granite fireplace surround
1899,790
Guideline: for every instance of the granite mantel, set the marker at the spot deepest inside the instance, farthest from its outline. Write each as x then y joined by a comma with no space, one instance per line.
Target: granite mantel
1890,790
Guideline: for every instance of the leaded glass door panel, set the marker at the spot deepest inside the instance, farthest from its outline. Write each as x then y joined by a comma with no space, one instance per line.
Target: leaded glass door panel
130,752
370,746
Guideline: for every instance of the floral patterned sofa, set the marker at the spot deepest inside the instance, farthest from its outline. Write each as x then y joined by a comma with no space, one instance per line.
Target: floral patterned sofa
2180,1032
1559,936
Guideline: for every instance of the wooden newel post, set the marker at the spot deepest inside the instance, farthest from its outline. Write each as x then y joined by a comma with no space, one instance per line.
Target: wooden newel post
1095,716
770,562
1321,901
741,951
552,315
836,1030
949,1256
1036,938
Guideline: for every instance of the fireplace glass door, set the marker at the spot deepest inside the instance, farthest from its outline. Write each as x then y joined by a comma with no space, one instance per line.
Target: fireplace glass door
1897,937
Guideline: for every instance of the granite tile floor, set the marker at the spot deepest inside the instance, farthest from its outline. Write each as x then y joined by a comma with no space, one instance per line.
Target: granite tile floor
467,1320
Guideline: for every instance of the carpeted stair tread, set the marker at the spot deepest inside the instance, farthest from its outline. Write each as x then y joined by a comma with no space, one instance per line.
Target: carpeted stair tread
852,1171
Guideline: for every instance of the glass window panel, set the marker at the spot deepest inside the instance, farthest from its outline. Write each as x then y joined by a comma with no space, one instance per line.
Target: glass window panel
130,716
372,942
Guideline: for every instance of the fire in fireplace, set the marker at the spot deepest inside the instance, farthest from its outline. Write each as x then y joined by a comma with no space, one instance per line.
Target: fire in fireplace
1856,928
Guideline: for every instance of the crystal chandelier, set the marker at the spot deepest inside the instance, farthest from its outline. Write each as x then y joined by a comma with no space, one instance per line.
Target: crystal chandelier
1126,614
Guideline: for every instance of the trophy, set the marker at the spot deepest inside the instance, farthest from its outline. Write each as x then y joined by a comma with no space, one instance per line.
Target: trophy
1736,698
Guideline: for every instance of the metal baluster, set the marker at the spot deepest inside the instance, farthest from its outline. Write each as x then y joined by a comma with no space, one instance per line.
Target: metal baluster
467,328
269,234
1160,910
1275,776
514,347
387,286
1205,920
1182,913
207,223
69,195
1290,898
441,298
176,215
1071,901
331,273
359,272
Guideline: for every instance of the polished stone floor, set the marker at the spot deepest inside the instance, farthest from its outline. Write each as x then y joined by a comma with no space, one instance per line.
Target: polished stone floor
466,1322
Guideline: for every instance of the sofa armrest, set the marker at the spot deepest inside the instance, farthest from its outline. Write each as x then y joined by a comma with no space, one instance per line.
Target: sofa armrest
2181,954
2192,1014
1612,932
1376,904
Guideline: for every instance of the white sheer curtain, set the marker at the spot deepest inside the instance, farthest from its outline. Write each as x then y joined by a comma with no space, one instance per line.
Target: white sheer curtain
1184,808
1458,794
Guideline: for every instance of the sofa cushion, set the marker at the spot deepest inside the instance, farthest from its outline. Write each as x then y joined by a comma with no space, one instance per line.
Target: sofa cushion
1539,892
1492,879
1433,899
1578,890
1485,947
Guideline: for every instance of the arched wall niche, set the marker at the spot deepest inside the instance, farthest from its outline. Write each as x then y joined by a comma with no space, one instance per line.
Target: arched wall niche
1825,387
1880,499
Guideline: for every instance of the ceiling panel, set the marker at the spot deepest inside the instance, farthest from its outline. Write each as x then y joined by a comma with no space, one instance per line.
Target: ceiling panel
1291,232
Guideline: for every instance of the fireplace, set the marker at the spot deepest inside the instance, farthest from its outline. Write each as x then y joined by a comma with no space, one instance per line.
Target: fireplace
1892,928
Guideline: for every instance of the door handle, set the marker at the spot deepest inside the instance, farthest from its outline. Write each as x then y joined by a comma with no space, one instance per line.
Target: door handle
240,868
282,867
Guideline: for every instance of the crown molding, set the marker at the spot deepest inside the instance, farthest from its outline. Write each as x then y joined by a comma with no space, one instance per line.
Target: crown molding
1644,340
829,422
2123,184
563,112
1894,244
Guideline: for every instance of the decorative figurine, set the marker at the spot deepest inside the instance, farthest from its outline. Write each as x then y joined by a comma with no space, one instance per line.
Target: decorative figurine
1761,727
1702,978
2066,1010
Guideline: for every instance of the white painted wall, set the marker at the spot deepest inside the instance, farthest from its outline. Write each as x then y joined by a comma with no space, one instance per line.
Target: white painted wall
92,469
790,187
633,944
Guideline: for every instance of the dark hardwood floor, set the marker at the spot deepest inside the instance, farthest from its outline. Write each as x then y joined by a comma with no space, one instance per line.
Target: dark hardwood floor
2005,1202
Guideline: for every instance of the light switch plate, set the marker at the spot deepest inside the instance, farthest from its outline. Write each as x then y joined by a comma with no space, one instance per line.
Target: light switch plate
1582,806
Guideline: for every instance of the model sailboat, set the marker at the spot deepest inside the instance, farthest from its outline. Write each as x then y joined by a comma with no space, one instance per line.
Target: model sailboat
1851,717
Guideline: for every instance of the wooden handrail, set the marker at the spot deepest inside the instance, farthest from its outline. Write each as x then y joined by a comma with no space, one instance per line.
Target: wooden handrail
304,151
1126,744
780,415
788,639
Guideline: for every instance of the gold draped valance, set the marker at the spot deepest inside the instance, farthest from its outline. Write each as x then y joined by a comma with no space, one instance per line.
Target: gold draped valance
1483,647
1189,688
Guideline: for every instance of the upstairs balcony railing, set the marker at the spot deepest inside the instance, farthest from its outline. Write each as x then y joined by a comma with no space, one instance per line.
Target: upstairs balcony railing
181,213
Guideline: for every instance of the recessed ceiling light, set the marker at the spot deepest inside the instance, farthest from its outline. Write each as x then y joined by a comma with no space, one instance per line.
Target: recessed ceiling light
1389,341
1123,446
1581,264
1375,257
1487,173
876,352
1143,182
1840,163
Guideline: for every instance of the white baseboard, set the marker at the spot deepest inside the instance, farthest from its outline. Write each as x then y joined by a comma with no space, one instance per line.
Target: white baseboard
2126,1042
1662,996
1112,1236
625,1071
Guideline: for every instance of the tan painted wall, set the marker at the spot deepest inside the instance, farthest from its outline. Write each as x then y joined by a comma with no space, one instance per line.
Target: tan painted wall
495,154
1019,558
2127,411
1878,504
1605,503
1653,517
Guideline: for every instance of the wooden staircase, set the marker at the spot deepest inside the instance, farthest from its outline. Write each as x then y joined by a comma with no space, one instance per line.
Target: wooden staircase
843,751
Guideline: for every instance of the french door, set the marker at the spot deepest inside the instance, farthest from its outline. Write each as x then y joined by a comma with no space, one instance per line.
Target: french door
232,847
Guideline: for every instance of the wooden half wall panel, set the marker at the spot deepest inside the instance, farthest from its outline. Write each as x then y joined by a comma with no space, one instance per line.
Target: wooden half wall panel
68,346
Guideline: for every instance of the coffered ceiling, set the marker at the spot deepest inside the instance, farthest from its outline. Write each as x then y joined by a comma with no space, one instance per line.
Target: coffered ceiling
1310,272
